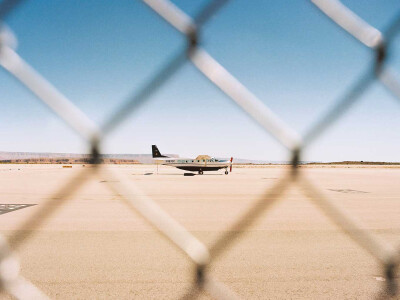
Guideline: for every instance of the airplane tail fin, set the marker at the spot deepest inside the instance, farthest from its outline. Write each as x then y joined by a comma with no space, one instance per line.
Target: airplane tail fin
156,152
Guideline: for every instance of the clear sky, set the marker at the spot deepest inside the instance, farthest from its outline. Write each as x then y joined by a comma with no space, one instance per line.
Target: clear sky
98,53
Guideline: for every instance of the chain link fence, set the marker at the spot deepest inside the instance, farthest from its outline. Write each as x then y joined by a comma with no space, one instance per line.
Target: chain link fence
200,254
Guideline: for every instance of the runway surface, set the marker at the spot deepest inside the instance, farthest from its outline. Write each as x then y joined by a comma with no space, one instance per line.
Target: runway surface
95,247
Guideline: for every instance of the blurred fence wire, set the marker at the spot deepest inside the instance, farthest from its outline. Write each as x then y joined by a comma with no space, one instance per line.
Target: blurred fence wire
202,255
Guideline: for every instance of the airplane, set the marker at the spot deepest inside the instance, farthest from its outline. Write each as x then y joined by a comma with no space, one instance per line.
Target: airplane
200,164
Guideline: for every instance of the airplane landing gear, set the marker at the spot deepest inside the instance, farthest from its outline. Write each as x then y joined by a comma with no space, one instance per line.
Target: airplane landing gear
200,172
226,172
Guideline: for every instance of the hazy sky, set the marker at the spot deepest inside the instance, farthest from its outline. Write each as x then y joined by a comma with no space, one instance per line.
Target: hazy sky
98,53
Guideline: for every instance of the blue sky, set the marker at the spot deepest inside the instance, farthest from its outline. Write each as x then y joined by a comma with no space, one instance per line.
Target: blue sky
98,53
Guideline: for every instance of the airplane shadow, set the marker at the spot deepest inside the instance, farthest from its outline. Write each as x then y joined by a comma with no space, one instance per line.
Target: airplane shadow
184,174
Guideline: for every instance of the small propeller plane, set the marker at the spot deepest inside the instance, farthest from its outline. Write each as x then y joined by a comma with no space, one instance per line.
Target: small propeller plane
199,164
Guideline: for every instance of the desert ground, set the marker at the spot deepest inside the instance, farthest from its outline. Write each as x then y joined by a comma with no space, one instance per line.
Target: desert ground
94,246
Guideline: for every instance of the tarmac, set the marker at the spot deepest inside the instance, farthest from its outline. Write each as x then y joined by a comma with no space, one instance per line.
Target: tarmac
94,246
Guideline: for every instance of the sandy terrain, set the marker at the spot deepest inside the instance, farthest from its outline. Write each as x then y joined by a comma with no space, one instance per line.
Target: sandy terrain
94,247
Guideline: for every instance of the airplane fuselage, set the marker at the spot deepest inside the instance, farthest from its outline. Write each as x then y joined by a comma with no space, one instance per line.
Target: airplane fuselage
189,164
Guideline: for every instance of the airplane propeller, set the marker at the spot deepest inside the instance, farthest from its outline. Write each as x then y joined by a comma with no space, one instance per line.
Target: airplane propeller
230,169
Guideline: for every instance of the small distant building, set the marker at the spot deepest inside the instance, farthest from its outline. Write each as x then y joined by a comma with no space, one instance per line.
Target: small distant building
203,157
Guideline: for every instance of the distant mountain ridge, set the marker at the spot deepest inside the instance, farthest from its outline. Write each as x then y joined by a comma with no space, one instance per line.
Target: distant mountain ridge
142,158
148,158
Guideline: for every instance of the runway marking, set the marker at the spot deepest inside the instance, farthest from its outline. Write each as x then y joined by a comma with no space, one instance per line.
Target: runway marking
108,181
6,208
348,191
140,174
379,278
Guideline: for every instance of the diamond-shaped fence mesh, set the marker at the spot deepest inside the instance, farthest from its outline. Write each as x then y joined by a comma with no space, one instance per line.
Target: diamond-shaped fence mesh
200,254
